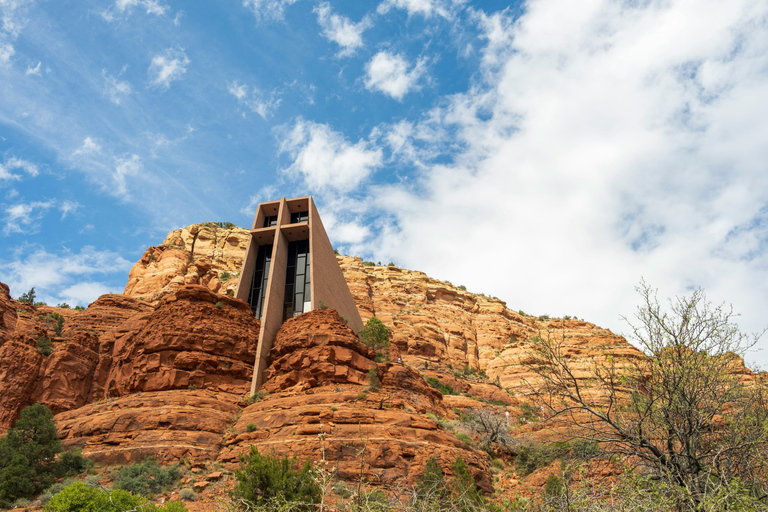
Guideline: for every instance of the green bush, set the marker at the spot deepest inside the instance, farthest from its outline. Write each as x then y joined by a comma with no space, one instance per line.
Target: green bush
225,276
373,380
79,308
269,481
72,463
531,457
78,497
445,389
59,325
44,346
146,477
251,427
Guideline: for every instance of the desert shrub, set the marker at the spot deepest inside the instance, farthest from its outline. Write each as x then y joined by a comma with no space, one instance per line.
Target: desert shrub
464,438
79,308
532,456
251,427
373,380
257,397
226,225
362,396
146,477
59,322
224,277
63,305
369,264
445,389
375,334
219,305
44,346
188,494
268,481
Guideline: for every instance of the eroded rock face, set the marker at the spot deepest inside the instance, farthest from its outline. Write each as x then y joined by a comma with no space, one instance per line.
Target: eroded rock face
164,425
8,314
194,339
200,254
316,349
19,368
104,314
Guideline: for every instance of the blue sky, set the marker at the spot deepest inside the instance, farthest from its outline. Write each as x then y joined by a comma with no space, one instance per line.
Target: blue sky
550,152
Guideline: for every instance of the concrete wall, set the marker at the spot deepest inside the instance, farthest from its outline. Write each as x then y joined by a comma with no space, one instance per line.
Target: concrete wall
328,283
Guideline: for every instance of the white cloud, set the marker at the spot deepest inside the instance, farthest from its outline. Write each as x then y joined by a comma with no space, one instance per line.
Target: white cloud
423,7
389,73
89,147
59,276
17,163
254,99
35,70
268,9
114,88
125,167
25,217
340,29
6,52
68,207
120,7
168,66
266,193
325,161
604,142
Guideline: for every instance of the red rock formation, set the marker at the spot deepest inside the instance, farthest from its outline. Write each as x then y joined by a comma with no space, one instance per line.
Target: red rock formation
19,368
195,338
320,403
104,315
8,314
165,425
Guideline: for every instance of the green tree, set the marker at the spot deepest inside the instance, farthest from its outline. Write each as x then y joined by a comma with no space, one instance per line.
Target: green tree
375,335
269,482
680,411
28,297
146,477
28,455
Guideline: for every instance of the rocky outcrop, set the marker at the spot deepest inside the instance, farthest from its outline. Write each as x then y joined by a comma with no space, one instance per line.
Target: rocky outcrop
324,403
165,425
200,254
194,339
8,314
19,368
104,315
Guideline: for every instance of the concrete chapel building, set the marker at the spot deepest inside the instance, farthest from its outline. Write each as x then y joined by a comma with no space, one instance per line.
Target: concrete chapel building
289,269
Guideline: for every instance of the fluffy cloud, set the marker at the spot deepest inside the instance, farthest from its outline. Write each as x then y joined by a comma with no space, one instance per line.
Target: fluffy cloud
254,99
605,142
389,73
340,29
58,277
168,66
325,161
268,9
14,17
